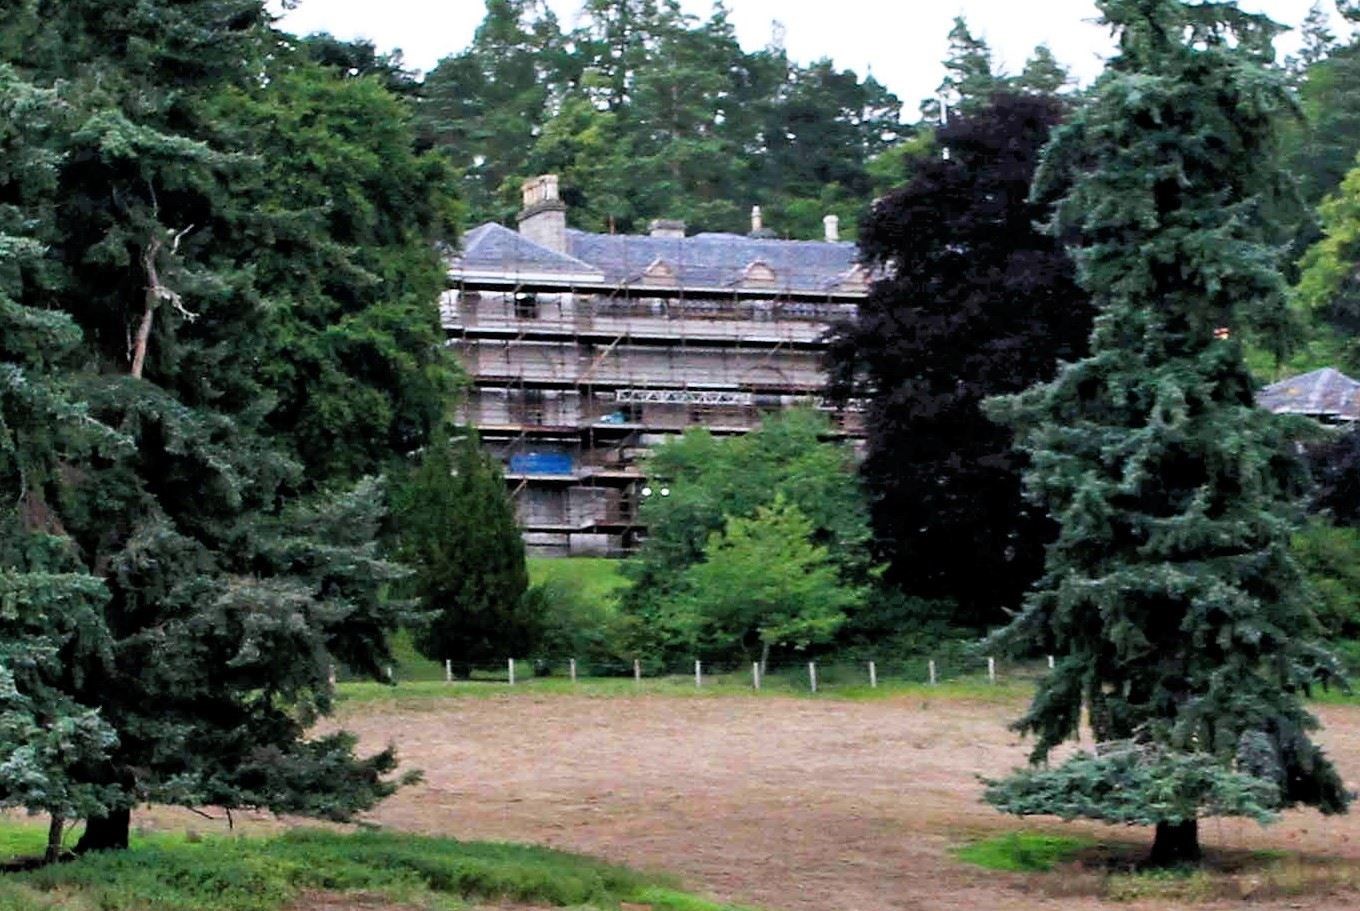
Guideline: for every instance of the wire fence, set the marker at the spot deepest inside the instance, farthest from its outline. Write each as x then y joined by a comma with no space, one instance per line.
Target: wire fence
827,674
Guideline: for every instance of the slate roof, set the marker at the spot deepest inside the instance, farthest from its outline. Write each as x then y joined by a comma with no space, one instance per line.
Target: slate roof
708,260
716,260
1325,393
494,247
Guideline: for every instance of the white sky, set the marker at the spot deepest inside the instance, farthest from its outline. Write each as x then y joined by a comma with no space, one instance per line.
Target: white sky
901,41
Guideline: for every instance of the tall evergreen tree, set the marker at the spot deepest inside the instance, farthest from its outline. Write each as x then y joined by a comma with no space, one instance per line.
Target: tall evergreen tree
484,107
51,619
971,75
1043,74
197,583
457,531
974,301
1323,148
1170,596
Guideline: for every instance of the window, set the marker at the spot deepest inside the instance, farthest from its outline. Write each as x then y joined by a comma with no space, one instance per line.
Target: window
526,305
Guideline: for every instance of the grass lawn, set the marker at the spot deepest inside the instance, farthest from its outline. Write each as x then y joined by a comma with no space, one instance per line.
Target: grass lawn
170,873
413,694
598,578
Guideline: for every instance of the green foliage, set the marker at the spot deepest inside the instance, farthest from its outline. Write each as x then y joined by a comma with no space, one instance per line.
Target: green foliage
162,873
456,528
1330,558
761,584
1323,147
1178,614
712,480
1132,784
1326,293
646,111
1021,852
206,238
579,616
343,219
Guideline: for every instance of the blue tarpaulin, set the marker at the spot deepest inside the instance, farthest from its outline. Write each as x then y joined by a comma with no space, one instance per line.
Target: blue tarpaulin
541,463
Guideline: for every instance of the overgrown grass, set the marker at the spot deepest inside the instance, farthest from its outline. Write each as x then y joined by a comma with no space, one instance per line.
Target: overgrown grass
167,873
1022,852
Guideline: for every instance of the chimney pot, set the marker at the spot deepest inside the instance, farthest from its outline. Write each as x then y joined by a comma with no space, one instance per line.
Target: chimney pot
832,224
544,219
666,227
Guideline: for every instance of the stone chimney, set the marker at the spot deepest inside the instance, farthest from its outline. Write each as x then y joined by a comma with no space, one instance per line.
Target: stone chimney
757,220
832,225
666,227
544,219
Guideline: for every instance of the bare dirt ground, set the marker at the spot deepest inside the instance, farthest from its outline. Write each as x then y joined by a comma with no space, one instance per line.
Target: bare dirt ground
791,804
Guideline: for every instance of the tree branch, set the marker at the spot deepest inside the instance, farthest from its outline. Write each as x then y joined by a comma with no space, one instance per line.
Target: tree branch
156,292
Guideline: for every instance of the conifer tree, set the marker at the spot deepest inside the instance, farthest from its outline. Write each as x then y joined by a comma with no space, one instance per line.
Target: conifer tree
457,531
971,75
169,563
1043,74
1170,596
51,621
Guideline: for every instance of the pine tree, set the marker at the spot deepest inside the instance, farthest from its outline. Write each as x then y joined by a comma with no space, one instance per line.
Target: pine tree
170,565
1170,596
970,78
456,528
51,621
974,301
1327,74
483,107
1318,39
1043,74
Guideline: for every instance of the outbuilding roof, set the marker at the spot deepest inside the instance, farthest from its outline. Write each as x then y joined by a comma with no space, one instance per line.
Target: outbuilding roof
1327,393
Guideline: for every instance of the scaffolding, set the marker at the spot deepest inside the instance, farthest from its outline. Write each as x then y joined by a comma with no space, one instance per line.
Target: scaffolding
601,372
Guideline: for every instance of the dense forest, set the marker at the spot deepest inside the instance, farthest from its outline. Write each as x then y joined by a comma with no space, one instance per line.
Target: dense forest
648,112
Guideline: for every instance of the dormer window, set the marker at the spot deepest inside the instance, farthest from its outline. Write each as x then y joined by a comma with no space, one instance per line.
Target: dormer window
660,272
759,272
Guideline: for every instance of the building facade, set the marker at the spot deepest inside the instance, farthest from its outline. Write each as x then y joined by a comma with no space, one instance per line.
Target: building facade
584,350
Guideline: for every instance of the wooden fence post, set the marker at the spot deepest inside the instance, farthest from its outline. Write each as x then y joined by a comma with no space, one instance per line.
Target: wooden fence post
755,674
991,669
873,674
637,671
573,670
448,670
510,664
932,671
1050,662
812,675
698,674
389,673
330,675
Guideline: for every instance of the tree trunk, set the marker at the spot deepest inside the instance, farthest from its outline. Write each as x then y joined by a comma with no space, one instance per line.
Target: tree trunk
106,833
764,656
54,830
1176,844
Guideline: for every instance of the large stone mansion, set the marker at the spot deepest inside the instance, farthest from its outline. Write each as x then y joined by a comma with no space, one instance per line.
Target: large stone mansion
585,349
